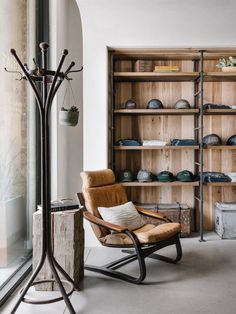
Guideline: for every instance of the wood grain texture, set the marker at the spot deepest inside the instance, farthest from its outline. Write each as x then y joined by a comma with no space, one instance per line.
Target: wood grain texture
219,88
223,123
167,111
154,76
67,243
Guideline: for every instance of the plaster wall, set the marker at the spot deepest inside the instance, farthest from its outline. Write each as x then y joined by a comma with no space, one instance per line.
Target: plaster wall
67,142
139,23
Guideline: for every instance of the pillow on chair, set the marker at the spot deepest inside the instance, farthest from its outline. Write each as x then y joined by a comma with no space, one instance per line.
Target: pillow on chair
125,215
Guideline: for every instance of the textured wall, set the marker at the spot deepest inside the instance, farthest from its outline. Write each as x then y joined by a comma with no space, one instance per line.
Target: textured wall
140,23
67,142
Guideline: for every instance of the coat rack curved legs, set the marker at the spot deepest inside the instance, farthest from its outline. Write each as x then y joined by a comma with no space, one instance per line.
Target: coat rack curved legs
44,97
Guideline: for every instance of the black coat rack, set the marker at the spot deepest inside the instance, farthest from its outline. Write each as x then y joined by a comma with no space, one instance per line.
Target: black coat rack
50,83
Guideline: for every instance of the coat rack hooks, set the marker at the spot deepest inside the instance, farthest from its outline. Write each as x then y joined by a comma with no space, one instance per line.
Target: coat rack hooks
18,72
44,101
74,71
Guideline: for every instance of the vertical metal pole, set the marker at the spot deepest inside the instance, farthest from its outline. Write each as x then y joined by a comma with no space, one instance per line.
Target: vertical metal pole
196,139
45,148
113,113
47,101
44,173
201,146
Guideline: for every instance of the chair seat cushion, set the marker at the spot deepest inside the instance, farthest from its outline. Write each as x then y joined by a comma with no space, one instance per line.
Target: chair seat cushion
147,234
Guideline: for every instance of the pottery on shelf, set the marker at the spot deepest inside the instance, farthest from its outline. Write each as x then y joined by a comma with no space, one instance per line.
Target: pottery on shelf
229,69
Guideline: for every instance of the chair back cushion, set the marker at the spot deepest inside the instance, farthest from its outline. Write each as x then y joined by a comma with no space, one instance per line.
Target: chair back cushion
93,179
100,190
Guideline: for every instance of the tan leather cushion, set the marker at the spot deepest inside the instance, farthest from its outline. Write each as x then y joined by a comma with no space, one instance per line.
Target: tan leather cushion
97,178
147,234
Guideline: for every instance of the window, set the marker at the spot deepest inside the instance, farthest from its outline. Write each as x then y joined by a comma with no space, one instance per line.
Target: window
19,165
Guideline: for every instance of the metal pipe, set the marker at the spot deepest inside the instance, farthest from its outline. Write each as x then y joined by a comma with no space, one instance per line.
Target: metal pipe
196,139
113,121
201,145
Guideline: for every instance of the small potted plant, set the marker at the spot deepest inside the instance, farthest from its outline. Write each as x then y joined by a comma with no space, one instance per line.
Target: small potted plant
228,65
69,116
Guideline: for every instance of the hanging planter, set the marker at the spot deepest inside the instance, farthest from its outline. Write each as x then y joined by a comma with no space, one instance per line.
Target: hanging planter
69,117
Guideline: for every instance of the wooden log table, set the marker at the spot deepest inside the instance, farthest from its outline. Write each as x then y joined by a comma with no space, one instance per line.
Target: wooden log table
67,243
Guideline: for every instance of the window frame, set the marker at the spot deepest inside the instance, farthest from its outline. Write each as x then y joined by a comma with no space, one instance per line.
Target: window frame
41,34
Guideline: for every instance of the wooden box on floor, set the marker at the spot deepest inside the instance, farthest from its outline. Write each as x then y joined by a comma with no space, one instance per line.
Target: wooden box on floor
182,216
67,243
175,212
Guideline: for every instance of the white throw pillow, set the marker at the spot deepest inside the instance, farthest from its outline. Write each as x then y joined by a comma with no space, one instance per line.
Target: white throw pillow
125,215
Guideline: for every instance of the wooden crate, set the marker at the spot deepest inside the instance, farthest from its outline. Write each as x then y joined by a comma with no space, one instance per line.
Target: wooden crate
225,220
67,243
183,216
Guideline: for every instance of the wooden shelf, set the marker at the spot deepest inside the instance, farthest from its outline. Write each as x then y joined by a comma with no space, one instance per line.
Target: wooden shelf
154,76
229,147
169,147
219,76
219,111
157,183
229,184
171,53
166,147
157,111
145,123
174,111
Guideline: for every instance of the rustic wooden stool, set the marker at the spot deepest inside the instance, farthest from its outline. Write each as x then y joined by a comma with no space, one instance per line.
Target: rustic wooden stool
67,243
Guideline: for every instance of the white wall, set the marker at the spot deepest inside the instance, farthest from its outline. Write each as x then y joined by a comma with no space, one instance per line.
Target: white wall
67,142
139,23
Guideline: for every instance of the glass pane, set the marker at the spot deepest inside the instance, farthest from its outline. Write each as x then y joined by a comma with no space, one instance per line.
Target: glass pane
17,140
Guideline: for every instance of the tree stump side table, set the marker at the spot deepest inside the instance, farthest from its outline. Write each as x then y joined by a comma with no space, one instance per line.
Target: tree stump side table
67,243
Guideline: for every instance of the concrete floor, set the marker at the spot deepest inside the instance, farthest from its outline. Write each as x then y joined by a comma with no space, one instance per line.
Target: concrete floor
203,282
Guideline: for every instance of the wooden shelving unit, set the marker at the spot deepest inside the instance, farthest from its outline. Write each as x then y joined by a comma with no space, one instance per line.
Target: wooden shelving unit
166,147
221,184
220,76
156,111
219,111
155,76
160,184
200,82
222,147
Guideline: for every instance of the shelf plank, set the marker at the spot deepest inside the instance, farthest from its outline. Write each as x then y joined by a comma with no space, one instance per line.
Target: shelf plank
169,147
219,111
166,147
229,147
157,183
171,53
229,184
219,76
174,111
157,111
155,76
